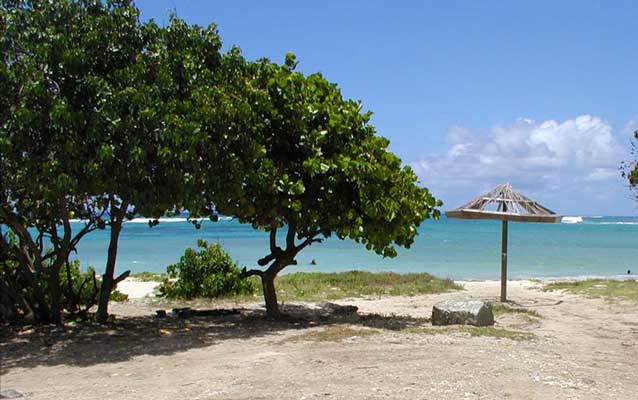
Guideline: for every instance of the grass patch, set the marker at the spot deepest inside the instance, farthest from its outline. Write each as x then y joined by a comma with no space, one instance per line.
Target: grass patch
335,333
321,287
603,288
500,309
474,331
149,276
316,286
498,333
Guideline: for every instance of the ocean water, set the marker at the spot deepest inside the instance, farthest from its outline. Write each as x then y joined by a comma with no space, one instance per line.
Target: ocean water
458,249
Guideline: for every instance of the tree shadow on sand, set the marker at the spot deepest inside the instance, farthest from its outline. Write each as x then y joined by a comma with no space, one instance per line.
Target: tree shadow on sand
90,344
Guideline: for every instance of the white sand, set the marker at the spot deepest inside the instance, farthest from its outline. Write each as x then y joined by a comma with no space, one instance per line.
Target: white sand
582,349
137,289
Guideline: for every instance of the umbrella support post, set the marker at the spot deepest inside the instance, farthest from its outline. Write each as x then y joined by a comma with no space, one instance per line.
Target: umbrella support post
504,262
503,204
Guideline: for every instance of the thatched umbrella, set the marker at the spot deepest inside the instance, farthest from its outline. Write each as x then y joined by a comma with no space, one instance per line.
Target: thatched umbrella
504,204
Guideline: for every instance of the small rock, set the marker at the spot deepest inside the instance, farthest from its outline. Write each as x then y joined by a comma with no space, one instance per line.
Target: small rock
471,312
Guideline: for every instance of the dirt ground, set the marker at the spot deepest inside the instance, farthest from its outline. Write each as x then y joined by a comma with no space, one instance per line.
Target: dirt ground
579,349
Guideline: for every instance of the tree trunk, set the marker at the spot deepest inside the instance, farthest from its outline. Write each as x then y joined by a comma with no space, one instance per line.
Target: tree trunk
38,301
270,295
107,278
54,294
14,306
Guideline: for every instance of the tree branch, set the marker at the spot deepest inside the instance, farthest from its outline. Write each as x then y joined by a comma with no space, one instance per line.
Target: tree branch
120,278
252,272
310,240
25,237
66,223
264,261
273,239
88,227
290,236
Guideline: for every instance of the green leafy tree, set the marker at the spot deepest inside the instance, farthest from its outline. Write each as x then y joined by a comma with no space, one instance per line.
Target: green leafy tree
181,120
323,171
46,136
103,118
146,156
630,169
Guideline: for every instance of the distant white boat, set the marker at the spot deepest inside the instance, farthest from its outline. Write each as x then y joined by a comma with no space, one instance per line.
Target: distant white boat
572,220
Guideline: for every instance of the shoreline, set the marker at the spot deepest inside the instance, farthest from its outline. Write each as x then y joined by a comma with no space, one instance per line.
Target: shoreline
448,248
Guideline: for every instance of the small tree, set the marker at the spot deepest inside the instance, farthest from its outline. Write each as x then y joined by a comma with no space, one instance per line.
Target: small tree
323,171
209,272
630,169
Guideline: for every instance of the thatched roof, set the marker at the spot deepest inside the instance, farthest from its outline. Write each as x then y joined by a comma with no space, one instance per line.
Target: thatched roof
503,203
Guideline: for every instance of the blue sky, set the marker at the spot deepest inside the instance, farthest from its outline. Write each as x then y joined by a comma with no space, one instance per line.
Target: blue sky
471,94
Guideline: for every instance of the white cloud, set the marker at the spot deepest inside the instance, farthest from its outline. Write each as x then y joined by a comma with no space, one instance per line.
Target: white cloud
630,128
602,174
551,159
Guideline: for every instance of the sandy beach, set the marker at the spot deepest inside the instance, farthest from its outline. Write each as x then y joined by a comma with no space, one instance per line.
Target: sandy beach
579,348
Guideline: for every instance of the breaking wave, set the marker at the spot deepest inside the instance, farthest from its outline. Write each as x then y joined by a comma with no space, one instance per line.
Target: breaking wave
144,220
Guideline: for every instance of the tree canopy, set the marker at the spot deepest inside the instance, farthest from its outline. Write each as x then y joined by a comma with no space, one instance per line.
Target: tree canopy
56,58
323,171
103,117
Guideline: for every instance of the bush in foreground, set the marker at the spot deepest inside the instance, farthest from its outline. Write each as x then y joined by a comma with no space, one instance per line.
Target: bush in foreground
79,291
209,273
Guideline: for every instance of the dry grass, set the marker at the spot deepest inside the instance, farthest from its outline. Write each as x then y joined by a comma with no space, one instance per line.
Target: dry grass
501,309
149,276
474,331
603,288
303,286
321,287
335,333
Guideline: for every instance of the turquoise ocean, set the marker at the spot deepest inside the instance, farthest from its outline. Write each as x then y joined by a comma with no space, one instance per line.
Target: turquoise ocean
458,249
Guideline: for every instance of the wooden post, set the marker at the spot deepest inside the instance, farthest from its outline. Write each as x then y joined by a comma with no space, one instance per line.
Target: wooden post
504,262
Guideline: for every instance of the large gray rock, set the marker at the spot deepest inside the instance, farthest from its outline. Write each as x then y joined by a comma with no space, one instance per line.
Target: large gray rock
470,312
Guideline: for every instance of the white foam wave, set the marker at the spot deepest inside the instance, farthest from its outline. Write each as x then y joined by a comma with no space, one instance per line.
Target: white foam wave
572,220
144,220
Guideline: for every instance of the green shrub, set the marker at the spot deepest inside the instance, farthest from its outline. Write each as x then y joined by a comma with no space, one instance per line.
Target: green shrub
80,289
209,273
118,296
